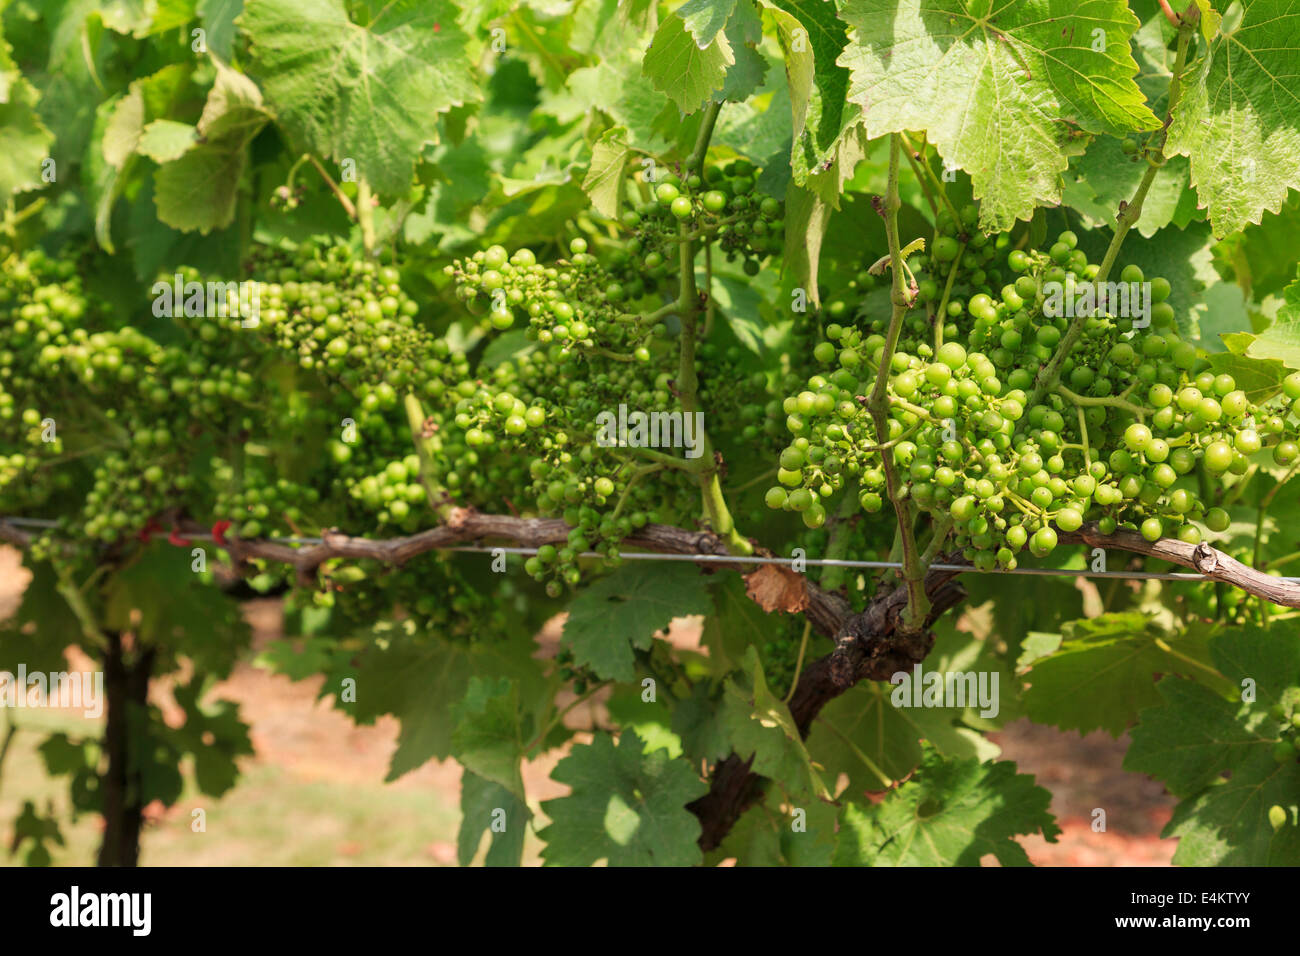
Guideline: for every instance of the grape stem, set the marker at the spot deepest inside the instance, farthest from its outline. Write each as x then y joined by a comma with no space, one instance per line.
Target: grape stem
938,186
857,752
1111,401
347,204
1128,216
798,664
426,450
1083,438
940,315
695,162
650,318
76,601
917,609
612,356
938,535
561,714
366,215
832,577
631,482
689,307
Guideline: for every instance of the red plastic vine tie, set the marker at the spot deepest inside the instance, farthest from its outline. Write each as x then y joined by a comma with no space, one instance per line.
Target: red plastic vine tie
219,532
176,539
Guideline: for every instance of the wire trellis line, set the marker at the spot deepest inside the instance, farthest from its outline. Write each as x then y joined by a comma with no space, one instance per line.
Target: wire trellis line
1185,576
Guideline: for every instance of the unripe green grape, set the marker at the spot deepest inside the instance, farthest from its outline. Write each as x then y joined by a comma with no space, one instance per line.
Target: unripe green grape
1217,520
945,249
1247,441
800,499
666,192
814,516
1130,273
1218,456
1137,437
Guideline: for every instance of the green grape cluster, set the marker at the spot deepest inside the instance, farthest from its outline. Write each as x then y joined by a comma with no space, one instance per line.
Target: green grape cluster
1001,426
576,303
530,429
748,227
332,309
124,411
429,589
735,394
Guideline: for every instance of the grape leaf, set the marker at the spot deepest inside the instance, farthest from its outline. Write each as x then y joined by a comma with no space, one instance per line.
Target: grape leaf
604,179
744,32
862,734
627,807
40,629
617,88
233,108
175,609
198,190
1239,116
758,134
812,37
623,611
1103,177
350,92
129,16
1195,738
705,19
761,729
1260,379
165,140
489,735
952,813
651,720
689,74
736,623
773,834
24,140
402,669
214,735
1270,250
1281,340
807,216
486,806
1104,672
999,92
697,723
218,18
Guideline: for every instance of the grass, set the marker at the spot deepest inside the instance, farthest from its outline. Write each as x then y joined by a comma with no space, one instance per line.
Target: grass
270,818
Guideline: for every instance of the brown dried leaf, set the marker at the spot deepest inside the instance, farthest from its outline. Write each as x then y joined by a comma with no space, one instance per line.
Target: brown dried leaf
776,588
